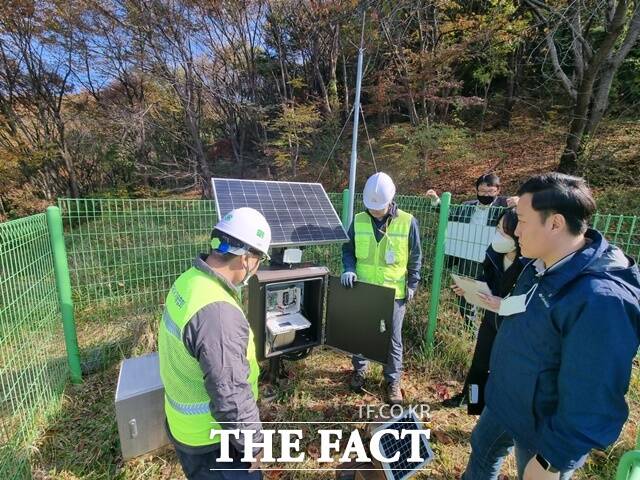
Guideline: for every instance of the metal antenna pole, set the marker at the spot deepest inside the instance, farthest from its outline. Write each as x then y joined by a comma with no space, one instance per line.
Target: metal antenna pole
356,118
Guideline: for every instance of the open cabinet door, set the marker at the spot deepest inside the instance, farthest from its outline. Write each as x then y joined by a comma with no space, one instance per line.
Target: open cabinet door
359,319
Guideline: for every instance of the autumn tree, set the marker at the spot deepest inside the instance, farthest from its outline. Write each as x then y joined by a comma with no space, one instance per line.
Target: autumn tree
586,43
36,72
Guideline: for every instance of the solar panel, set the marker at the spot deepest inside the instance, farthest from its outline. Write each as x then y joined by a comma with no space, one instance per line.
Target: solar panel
298,213
402,468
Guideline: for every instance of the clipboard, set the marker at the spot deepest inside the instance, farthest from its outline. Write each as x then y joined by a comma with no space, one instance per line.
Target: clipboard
471,289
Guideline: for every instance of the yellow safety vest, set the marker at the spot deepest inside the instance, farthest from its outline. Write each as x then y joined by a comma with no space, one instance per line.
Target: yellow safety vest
186,401
385,262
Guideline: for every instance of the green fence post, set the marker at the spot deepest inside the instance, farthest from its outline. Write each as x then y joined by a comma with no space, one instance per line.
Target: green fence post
438,266
63,284
345,207
629,466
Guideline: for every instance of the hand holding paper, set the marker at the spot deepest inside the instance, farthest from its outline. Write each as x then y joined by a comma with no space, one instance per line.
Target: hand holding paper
490,302
473,288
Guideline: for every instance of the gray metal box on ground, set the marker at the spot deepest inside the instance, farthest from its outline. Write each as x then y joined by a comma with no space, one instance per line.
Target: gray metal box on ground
140,406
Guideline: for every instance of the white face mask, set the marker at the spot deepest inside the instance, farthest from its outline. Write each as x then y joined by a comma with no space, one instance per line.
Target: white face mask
502,243
513,305
247,276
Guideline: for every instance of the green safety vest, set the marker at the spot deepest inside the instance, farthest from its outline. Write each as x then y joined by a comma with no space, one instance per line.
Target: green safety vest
186,401
372,258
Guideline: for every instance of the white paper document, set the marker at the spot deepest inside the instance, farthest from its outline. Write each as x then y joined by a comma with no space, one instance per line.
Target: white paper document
471,289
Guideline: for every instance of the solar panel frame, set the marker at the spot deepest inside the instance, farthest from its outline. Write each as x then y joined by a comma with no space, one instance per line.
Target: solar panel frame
394,473
280,215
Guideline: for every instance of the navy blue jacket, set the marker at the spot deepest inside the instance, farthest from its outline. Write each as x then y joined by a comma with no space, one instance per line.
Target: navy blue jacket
379,226
559,371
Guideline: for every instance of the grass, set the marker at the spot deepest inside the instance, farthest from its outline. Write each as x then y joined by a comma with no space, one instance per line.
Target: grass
81,441
125,257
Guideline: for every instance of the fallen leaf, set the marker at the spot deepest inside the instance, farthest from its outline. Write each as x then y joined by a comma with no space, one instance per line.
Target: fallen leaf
441,437
313,451
442,391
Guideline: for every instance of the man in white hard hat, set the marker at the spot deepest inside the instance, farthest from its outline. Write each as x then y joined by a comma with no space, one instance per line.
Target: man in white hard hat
207,354
384,249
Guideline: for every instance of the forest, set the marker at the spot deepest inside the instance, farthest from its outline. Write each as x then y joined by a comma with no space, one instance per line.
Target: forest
137,97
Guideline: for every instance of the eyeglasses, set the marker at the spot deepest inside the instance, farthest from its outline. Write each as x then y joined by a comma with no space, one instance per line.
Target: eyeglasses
260,256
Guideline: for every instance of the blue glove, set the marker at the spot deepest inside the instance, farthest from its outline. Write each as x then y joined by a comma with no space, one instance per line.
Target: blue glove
347,279
411,292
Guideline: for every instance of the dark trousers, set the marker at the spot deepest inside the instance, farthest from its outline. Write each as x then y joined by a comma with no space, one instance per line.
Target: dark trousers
490,445
479,370
205,466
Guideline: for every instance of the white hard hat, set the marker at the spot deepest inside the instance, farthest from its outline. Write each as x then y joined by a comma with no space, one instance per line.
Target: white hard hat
248,226
378,191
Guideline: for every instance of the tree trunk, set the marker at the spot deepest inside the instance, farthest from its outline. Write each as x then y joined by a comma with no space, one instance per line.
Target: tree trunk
600,100
485,105
509,101
71,172
411,106
237,145
196,147
347,109
284,74
323,87
573,145
333,66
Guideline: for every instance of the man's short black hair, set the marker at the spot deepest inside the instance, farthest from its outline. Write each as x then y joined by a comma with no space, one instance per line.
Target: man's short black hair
489,179
563,194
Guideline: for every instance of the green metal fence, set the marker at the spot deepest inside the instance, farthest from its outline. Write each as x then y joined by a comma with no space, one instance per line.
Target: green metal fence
457,321
122,257
33,366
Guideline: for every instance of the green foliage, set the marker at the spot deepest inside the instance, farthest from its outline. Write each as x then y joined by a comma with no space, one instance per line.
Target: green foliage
625,91
611,159
294,129
421,144
235,89
619,200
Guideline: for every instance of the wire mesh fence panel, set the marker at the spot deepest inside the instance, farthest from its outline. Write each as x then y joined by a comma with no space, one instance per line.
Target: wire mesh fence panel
327,255
469,233
621,230
33,365
123,257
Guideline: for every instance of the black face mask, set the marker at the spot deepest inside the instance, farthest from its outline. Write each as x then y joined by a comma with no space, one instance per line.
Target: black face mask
486,199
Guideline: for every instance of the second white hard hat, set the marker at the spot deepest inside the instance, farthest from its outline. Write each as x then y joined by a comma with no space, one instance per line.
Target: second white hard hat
248,226
378,191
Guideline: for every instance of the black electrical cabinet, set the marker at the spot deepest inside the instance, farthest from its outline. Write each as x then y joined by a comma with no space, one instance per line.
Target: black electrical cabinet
312,308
